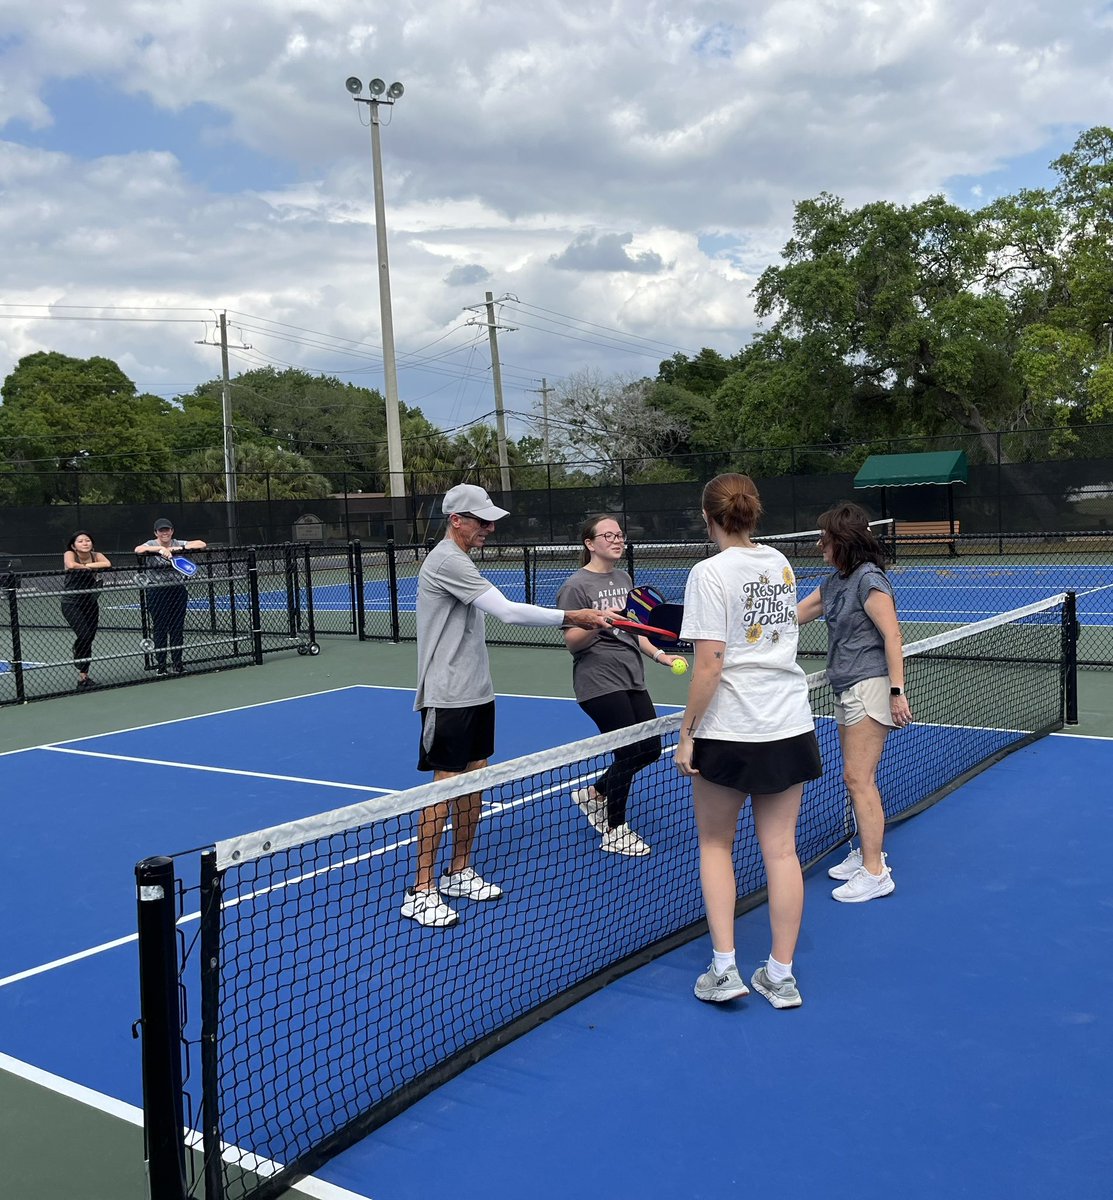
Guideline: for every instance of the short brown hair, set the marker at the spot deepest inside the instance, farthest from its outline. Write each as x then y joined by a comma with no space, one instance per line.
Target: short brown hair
732,502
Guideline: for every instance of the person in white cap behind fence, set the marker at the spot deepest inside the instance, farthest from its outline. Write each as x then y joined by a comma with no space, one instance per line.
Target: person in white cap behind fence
456,697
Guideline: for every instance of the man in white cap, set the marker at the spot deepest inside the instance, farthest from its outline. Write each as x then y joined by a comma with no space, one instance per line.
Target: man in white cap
455,695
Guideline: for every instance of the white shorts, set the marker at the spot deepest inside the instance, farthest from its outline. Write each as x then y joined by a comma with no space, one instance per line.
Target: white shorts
869,698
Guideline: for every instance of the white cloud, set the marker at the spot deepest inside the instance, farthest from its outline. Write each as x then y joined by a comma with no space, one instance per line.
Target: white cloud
525,131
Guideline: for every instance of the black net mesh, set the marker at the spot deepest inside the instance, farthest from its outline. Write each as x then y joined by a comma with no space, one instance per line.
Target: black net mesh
324,1010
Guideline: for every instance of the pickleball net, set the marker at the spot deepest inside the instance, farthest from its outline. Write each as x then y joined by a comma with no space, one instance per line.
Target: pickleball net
308,1011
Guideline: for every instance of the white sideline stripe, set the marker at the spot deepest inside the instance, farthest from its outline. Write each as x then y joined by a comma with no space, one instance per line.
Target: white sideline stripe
70,958
319,1189
162,762
217,712
74,1091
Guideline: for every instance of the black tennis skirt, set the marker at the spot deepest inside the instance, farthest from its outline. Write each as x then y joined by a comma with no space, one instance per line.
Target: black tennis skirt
758,767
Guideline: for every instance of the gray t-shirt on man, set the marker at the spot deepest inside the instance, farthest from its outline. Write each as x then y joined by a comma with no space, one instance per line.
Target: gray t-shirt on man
856,649
611,661
453,670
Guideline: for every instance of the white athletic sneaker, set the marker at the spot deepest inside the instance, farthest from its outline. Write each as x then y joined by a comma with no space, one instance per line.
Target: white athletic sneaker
781,995
863,886
850,864
593,806
467,885
623,840
719,986
427,908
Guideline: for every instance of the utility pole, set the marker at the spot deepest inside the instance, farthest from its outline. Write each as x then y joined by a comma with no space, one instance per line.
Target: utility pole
544,391
231,489
496,378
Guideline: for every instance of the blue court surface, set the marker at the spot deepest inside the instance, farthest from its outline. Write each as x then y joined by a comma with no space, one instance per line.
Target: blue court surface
956,1038
925,593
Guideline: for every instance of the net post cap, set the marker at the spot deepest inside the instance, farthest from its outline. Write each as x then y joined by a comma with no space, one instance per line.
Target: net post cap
471,498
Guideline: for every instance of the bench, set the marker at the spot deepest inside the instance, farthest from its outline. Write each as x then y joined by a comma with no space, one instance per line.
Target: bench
927,533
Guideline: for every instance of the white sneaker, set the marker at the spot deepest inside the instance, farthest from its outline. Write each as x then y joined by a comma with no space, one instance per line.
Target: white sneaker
593,806
467,885
427,908
850,864
623,840
862,886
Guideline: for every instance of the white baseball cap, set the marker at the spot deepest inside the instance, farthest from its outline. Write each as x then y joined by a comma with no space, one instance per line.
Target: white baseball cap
471,498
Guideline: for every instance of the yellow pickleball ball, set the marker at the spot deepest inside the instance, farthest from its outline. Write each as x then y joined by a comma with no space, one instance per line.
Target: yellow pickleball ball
679,666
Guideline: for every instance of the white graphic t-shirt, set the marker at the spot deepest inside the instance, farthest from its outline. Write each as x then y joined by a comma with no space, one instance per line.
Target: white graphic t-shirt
746,598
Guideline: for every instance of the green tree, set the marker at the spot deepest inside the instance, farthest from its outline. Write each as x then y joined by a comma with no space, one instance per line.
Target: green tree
262,472
340,429
64,420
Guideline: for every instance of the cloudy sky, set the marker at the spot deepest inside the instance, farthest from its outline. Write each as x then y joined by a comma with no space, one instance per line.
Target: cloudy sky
621,170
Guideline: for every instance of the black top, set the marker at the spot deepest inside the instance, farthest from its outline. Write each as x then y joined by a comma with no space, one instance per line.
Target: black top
80,581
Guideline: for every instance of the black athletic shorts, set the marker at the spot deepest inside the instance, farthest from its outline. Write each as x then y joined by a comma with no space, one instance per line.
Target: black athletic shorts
758,767
452,738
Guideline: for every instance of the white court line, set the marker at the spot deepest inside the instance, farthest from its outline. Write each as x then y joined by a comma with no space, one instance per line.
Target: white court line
162,762
318,1189
176,720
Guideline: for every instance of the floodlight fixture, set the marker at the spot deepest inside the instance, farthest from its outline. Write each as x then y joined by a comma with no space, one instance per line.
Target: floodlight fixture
354,85
395,91
376,87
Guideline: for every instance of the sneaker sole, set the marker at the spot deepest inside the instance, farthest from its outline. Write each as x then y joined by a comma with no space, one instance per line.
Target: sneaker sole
626,853
774,999
429,924
715,997
880,894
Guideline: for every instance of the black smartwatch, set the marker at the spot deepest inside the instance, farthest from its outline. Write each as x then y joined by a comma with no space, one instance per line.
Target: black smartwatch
896,691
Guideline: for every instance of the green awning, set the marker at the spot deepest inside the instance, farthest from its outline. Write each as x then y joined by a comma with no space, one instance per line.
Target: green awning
903,470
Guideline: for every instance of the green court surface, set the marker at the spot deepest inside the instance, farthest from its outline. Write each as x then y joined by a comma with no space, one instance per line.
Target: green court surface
53,1146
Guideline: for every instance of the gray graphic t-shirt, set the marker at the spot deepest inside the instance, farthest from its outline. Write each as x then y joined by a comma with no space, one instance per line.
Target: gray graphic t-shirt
453,670
856,649
611,661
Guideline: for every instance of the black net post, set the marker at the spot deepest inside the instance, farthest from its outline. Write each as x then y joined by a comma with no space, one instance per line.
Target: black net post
256,610
210,1025
310,620
1070,660
161,1026
17,648
392,572
355,572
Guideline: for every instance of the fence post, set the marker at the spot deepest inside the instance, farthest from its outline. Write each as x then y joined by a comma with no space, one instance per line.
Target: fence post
355,575
392,575
256,611
17,646
1070,660
160,1023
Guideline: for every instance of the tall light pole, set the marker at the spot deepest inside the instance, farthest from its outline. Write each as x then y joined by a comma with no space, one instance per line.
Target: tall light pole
390,371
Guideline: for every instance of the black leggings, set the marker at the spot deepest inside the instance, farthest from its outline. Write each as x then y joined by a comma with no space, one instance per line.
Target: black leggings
83,615
619,710
167,606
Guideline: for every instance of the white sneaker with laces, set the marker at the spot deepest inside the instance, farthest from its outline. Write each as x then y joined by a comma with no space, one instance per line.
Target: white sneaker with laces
850,864
862,886
593,806
623,840
427,908
467,885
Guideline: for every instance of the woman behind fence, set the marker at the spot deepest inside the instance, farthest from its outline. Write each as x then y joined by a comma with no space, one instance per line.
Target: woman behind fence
168,599
80,603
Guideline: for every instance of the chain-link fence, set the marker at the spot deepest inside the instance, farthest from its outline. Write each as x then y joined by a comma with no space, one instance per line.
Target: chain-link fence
67,631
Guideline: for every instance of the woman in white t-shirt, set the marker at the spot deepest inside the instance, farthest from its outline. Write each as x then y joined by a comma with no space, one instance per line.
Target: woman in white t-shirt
747,731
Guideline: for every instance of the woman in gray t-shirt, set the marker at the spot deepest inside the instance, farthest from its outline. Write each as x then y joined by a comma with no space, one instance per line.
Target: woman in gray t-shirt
865,667
609,682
